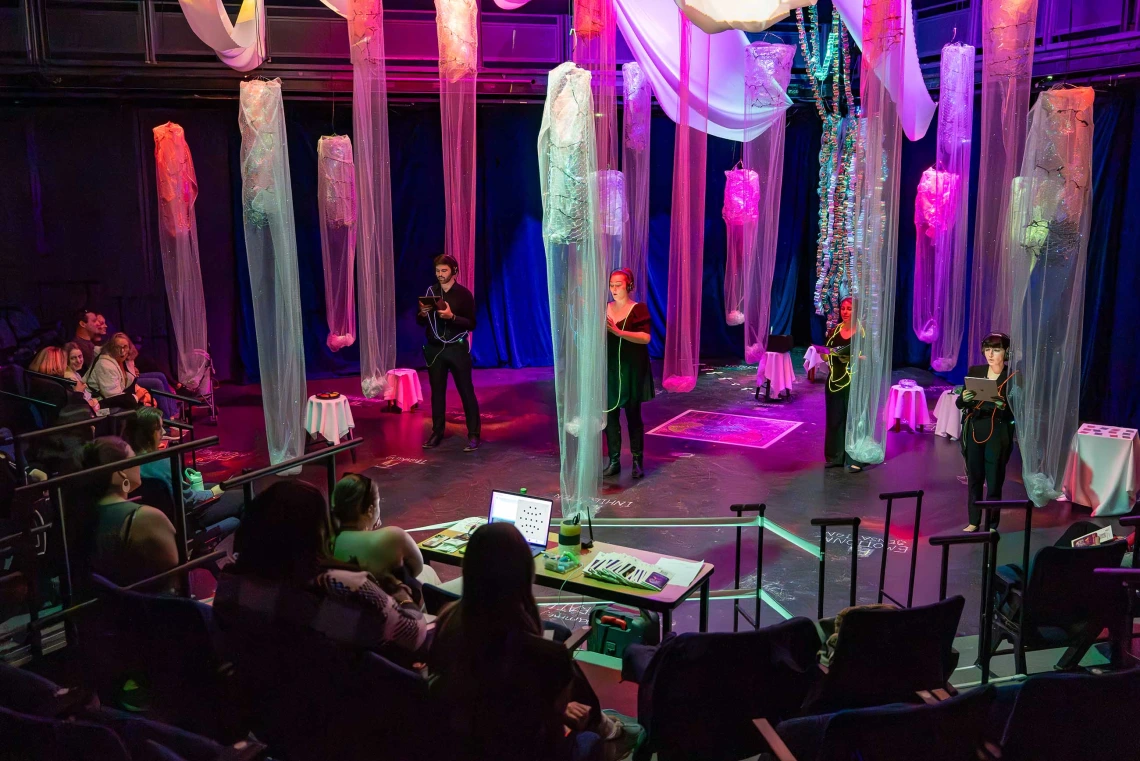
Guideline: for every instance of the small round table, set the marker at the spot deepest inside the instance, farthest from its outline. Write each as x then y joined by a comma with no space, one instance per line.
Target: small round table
907,403
948,415
331,418
775,374
812,361
404,391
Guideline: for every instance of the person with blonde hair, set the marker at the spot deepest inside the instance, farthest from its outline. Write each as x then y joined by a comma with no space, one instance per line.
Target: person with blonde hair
53,361
110,378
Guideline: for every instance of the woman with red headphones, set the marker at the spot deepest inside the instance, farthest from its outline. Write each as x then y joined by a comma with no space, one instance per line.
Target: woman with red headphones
987,428
629,379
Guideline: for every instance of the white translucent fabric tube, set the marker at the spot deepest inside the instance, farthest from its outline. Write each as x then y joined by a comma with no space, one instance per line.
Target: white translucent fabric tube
457,28
576,282
1008,35
635,168
376,291
1050,215
687,226
336,204
876,239
240,45
741,208
955,145
613,221
271,253
767,74
178,241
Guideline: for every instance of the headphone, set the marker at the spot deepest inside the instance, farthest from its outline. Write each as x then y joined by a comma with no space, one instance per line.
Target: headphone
628,274
1002,340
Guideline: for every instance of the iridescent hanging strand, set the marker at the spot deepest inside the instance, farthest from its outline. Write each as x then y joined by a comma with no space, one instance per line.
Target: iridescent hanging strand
836,158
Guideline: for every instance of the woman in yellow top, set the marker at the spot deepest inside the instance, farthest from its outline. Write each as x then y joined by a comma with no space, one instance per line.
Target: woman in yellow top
838,390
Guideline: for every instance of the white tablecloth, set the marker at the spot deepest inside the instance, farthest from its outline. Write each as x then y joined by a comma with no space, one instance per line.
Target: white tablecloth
404,388
813,360
776,368
1103,468
948,415
907,405
331,418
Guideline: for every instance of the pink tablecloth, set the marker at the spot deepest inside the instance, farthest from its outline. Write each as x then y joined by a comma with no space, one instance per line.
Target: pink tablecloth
907,405
404,388
776,369
948,415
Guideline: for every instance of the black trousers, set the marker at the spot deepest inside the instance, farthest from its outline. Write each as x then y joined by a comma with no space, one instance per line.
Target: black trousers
835,431
985,464
636,430
456,359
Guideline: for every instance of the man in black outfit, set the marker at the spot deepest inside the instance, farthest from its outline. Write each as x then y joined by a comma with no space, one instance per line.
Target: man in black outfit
448,349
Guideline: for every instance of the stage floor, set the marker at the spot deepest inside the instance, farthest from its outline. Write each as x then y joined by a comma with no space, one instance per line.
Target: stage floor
686,477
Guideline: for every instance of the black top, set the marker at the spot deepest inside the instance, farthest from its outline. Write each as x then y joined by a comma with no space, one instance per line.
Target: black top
629,378
979,414
838,360
462,303
88,348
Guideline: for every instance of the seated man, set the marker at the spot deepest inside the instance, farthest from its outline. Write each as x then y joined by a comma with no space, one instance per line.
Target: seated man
86,329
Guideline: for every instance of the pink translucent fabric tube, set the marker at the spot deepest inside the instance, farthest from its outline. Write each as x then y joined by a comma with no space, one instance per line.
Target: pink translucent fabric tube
741,209
635,168
767,74
457,27
934,208
1008,32
1050,217
336,204
595,29
687,226
950,234
876,243
376,314
178,241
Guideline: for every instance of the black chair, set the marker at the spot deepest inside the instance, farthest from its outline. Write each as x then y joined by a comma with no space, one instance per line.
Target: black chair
699,692
1065,605
951,730
172,643
885,655
1062,717
23,736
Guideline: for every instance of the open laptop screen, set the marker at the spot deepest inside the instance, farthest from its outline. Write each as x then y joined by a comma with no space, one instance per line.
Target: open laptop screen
530,515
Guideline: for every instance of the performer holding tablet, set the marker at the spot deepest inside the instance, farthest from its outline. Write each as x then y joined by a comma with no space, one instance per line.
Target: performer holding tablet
987,428
447,310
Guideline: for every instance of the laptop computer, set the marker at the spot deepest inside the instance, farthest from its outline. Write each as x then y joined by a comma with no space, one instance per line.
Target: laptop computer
530,515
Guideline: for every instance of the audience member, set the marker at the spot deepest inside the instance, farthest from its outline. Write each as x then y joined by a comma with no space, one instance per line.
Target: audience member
361,540
74,372
54,361
144,433
507,691
100,330
123,541
110,380
86,330
285,574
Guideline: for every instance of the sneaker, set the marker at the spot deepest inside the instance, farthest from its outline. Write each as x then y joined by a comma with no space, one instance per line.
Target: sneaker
623,735
472,444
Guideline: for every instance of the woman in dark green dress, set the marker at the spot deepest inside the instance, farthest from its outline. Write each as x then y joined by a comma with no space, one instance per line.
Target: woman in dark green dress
629,379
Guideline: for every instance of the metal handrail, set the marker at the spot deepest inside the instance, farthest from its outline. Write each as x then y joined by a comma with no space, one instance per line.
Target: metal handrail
111,467
759,509
990,539
824,523
890,498
98,419
270,470
58,379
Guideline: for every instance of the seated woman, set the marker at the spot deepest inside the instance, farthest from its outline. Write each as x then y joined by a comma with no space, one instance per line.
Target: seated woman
51,360
508,692
360,540
73,372
123,541
144,433
286,576
111,381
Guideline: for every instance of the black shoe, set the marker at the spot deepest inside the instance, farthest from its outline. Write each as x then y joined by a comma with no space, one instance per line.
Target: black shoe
472,444
613,468
833,465
638,472
433,441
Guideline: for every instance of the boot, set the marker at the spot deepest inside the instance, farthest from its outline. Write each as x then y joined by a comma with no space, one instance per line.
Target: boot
614,467
638,472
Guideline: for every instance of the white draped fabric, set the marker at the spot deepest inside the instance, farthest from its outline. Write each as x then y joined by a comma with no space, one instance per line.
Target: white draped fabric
178,241
375,281
878,150
576,281
271,253
770,72
239,45
1050,216
712,16
638,104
